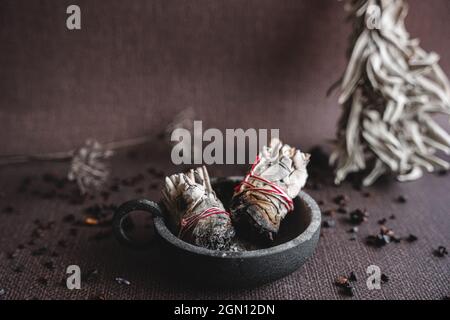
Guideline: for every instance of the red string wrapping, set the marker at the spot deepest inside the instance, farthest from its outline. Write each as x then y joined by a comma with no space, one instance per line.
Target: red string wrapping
190,222
270,188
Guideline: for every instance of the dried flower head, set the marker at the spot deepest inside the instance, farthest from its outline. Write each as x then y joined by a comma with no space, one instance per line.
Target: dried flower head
89,167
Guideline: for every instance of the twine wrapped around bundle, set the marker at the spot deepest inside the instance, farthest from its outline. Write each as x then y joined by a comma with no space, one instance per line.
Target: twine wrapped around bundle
265,195
195,211
389,92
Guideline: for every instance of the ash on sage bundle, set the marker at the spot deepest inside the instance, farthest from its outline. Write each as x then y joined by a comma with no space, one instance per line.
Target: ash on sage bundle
389,93
196,213
265,196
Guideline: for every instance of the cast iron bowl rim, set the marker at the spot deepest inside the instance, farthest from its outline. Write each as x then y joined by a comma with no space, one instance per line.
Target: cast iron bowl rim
306,235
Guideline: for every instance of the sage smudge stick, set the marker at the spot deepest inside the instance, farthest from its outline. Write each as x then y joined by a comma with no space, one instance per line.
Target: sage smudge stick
389,93
265,196
195,212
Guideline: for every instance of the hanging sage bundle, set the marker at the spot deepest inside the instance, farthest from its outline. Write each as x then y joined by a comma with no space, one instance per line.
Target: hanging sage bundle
196,213
389,92
265,196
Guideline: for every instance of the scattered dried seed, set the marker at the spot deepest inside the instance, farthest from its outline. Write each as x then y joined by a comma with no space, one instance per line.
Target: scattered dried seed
358,216
329,223
401,199
91,221
122,281
341,281
353,230
99,296
91,275
12,255
329,213
348,291
366,194
342,210
341,199
441,252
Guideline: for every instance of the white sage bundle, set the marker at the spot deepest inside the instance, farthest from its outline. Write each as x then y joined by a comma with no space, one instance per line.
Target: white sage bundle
265,196
196,213
389,93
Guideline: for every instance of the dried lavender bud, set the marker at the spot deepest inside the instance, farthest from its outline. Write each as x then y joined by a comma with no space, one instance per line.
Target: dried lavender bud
196,213
264,197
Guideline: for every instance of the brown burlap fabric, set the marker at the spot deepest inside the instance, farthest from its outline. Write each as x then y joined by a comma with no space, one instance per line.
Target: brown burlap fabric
261,64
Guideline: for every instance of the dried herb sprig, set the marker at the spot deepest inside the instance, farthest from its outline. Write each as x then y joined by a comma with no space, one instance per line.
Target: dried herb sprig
389,92
88,164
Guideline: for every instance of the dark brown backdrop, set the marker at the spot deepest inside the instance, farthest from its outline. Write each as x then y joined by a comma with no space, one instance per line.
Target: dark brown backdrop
134,64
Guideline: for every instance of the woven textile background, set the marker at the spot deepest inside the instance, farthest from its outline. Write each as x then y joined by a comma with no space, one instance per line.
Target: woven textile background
130,70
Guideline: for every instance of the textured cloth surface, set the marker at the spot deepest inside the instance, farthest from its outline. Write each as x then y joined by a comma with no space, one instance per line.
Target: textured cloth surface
414,271
128,72
134,65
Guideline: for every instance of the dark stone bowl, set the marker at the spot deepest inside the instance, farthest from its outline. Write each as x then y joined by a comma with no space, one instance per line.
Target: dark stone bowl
295,243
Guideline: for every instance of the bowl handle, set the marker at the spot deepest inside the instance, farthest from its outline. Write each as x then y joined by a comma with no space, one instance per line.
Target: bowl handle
122,213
